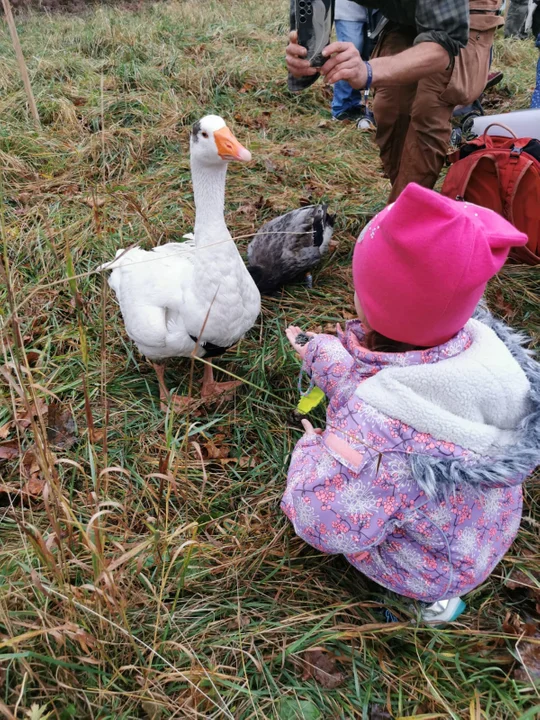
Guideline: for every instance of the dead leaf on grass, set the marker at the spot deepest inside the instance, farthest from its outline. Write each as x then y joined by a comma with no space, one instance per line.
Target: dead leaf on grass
97,435
36,409
527,653
253,123
378,712
270,165
60,426
503,306
289,151
246,87
529,656
322,667
9,450
333,246
94,202
248,209
238,622
213,448
246,461
31,470
152,710
4,430
32,356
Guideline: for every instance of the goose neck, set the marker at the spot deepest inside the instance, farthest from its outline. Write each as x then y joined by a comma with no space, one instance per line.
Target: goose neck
209,193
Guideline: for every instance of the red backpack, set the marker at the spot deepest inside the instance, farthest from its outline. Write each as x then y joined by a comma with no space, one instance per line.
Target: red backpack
502,174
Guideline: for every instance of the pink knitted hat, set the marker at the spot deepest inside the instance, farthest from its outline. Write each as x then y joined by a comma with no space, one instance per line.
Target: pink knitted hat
421,266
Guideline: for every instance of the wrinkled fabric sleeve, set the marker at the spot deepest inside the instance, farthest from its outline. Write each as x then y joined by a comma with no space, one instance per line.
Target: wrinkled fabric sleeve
334,513
327,362
445,22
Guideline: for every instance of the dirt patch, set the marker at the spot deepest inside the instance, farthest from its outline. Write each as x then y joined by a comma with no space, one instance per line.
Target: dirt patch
69,6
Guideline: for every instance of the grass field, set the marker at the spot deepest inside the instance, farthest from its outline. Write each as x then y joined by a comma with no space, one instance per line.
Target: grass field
145,567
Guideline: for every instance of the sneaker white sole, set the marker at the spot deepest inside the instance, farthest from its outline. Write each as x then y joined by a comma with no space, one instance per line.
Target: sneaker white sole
444,611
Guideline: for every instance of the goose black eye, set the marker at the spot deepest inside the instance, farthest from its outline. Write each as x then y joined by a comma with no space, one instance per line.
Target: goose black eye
204,134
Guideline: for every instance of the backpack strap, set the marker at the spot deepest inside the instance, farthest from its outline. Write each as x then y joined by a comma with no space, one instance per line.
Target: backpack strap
459,177
515,177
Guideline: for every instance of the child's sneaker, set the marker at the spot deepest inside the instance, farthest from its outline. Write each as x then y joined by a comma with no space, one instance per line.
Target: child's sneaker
443,611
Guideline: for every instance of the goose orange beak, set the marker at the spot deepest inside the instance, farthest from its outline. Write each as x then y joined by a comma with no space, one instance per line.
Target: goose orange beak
228,146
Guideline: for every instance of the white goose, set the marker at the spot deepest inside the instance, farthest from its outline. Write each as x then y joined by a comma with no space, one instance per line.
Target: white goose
196,295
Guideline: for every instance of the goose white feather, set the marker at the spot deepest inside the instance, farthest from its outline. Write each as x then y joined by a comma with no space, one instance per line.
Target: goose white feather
198,294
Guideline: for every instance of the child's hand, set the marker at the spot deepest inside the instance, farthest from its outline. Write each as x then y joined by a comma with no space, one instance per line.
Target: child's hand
292,333
310,430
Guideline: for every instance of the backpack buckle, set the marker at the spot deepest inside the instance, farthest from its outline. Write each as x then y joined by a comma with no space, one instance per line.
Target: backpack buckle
515,152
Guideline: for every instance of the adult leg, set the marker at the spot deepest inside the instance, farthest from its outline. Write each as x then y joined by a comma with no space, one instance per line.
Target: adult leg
516,18
392,106
427,137
429,132
347,98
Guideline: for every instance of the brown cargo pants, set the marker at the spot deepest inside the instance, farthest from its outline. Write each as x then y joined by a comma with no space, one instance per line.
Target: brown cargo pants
413,121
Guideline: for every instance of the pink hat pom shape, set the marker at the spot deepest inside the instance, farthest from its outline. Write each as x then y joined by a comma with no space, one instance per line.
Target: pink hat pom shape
421,265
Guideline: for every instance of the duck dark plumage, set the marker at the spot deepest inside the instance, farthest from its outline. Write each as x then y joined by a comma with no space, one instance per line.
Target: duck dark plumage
289,245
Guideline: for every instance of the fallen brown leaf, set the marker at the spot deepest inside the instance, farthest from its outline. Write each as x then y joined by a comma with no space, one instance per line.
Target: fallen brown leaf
529,656
246,87
60,426
97,435
270,165
503,306
4,430
238,622
36,409
32,357
289,151
30,465
34,486
333,246
213,448
9,450
378,712
31,472
322,667
94,202
248,462
248,209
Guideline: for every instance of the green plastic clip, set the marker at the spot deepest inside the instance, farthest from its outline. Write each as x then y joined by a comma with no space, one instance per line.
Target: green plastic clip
314,397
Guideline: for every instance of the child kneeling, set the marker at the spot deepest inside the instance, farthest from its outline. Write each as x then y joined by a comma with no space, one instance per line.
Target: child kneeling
433,421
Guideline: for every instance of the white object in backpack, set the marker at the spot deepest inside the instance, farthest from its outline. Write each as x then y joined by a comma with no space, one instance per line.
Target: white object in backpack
524,123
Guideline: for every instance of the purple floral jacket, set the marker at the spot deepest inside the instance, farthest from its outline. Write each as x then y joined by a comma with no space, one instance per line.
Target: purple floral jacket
417,477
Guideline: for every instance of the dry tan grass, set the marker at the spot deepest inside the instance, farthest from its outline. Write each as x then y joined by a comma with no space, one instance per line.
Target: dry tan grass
147,579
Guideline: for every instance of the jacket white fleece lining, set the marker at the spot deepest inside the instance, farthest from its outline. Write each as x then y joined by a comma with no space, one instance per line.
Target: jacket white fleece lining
476,399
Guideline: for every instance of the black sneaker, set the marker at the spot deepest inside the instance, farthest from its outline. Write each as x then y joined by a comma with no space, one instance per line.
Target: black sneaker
351,115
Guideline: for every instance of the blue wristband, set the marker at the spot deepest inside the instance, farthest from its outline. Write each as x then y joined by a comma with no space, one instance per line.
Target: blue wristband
369,76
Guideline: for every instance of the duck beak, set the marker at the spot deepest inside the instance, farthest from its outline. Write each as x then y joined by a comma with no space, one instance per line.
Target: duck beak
228,146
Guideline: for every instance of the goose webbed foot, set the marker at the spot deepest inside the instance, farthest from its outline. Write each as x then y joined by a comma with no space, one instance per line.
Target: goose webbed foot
179,403
212,389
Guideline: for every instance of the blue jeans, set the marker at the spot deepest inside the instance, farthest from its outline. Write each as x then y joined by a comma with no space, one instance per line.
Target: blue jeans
345,97
535,102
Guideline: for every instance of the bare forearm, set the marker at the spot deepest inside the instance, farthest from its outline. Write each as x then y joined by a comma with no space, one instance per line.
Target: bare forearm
344,63
410,65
